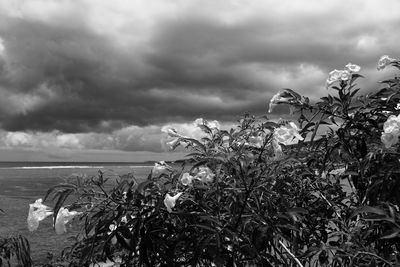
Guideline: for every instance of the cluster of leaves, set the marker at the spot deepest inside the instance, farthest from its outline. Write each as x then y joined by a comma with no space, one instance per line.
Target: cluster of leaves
330,200
15,250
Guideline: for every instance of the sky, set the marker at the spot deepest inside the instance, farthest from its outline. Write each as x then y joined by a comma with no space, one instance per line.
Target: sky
91,80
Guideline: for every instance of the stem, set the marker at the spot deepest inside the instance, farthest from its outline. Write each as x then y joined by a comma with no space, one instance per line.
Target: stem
316,128
329,203
248,192
370,254
291,254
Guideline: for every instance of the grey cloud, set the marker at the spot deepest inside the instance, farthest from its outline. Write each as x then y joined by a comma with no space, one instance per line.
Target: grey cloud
190,66
132,138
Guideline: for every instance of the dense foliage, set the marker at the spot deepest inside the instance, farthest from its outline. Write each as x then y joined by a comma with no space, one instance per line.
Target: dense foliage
321,191
15,250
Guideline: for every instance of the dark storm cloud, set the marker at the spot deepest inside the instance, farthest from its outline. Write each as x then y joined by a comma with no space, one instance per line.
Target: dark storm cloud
90,81
90,67
81,72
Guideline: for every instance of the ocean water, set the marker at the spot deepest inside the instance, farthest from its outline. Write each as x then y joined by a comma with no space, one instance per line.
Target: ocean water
21,183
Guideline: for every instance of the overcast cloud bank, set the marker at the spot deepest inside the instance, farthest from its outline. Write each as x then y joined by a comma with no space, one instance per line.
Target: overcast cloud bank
109,75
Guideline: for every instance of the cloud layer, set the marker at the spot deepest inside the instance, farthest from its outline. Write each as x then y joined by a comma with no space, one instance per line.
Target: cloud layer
110,74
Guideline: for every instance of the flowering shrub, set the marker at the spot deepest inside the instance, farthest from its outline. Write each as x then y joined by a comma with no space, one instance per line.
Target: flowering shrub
319,191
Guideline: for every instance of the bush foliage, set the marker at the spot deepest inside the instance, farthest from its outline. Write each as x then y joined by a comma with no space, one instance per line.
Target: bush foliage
322,190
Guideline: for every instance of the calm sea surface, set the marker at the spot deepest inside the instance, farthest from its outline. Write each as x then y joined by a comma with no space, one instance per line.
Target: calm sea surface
21,183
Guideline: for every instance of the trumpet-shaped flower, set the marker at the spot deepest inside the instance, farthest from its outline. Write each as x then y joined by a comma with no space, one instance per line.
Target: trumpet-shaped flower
170,201
173,138
186,179
37,212
389,139
287,133
173,133
352,68
187,131
391,131
392,125
285,96
205,174
277,149
210,124
345,75
338,75
256,140
160,168
173,143
112,228
333,76
385,61
225,141
64,216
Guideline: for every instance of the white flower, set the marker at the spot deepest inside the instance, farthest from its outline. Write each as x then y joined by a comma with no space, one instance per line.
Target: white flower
112,228
389,139
160,168
277,149
63,217
337,75
205,175
286,133
173,137
186,179
172,133
256,140
170,201
174,142
352,67
37,212
225,141
345,75
186,131
392,125
385,61
334,76
282,97
210,124
391,131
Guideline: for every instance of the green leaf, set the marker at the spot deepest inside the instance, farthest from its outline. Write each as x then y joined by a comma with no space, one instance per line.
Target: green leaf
368,209
293,93
391,234
142,186
60,187
354,92
62,196
205,227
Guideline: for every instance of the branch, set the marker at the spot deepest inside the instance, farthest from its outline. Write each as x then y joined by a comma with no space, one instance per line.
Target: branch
369,254
291,254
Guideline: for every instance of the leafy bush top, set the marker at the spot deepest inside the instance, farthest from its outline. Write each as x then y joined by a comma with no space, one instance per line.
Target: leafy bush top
320,191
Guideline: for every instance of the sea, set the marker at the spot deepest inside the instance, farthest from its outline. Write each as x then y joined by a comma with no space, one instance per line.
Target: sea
21,183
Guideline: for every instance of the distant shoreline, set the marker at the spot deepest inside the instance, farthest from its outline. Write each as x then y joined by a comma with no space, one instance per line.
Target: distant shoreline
21,165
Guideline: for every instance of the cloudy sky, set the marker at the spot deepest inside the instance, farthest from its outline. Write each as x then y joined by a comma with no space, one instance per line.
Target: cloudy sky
97,80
